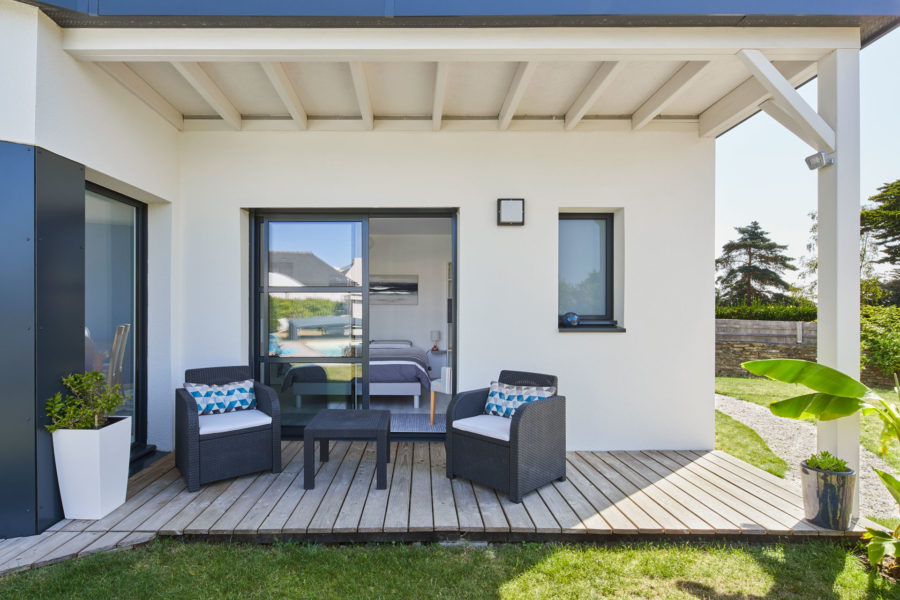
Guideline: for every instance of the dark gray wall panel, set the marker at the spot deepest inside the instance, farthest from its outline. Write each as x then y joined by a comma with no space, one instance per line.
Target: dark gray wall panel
59,304
17,427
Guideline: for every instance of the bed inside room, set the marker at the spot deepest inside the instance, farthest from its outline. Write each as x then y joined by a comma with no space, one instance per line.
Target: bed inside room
410,348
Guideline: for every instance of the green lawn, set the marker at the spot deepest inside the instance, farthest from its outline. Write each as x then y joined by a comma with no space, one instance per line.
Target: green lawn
173,569
742,442
765,391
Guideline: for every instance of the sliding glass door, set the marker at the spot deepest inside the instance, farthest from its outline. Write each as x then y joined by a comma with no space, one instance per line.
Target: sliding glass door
313,292
356,311
114,279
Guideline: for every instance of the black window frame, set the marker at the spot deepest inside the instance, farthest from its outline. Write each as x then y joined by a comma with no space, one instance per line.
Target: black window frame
593,322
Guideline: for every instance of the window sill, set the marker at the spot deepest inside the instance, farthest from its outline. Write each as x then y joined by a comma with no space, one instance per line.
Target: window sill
592,329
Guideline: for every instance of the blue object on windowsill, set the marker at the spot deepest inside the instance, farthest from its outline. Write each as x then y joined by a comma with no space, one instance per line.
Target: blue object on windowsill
571,319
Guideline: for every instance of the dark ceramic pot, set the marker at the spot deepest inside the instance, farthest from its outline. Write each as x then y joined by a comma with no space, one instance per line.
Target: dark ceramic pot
828,496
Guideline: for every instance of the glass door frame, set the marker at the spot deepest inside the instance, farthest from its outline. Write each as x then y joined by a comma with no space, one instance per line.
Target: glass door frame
259,288
139,446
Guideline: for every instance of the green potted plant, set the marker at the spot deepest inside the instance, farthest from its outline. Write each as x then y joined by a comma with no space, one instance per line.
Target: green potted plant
828,485
90,445
837,395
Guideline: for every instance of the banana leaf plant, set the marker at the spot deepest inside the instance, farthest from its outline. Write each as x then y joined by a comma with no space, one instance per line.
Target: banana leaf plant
838,395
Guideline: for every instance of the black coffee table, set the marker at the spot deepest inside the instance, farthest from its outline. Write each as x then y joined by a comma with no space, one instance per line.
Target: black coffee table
337,424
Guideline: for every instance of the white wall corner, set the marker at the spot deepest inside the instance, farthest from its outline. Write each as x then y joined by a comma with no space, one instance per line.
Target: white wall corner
18,71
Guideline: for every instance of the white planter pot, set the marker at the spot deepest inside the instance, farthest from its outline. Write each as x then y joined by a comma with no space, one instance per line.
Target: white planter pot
92,468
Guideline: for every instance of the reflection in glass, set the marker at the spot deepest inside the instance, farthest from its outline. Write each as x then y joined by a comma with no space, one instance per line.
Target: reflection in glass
110,301
306,388
315,254
315,324
582,266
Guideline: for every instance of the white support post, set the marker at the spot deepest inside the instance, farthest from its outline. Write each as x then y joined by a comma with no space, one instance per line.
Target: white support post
838,343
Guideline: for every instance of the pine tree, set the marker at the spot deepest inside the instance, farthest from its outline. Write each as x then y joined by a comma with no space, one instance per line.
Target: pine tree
752,266
883,221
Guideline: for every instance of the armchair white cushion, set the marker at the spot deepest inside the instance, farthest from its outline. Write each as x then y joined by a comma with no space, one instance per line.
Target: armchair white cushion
486,425
233,421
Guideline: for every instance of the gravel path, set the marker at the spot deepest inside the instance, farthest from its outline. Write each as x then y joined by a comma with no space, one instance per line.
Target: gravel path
794,441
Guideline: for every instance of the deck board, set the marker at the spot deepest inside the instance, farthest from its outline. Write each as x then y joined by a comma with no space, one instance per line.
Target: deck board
733,521
775,522
674,500
421,512
396,519
292,464
351,511
333,500
648,493
372,519
639,520
308,505
442,503
611,515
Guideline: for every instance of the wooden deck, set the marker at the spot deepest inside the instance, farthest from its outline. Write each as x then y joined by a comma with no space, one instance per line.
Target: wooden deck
607,495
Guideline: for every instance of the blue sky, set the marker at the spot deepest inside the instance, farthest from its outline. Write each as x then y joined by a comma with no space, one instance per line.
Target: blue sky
335,243
760,173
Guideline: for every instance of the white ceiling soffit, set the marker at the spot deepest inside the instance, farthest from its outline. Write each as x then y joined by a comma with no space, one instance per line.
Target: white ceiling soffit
428,80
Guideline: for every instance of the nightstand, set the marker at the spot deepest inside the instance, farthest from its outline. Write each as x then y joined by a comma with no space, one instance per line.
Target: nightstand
437,360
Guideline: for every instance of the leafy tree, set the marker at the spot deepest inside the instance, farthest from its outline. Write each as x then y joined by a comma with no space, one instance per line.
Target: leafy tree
890,289
752,266
883,221
870,284
880,338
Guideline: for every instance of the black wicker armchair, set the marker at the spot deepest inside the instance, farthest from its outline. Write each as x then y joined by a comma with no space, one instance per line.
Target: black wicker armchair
206,457
534,452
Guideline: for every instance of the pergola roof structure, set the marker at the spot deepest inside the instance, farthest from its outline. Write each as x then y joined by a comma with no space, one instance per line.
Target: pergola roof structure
432,79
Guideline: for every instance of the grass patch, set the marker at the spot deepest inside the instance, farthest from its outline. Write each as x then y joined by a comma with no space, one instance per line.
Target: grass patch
889,522
765,391
742,442
175,569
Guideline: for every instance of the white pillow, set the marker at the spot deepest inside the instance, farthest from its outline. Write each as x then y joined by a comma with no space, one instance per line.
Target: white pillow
390,344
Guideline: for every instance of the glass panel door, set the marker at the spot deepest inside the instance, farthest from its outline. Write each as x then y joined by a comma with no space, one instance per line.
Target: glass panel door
313,291
110,305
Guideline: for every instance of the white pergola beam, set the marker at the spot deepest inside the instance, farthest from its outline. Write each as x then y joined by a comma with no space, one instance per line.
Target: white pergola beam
743,102
785,117
361,85
515,93
812,128
441,73
207,88
488,44
588,97
669,91
140,88
279,79
838,243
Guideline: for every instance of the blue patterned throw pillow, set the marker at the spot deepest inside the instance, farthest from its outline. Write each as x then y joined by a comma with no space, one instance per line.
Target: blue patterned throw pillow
503,400
215,399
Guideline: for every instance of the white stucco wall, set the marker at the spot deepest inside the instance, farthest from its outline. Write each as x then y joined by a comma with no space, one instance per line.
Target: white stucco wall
650,387
77,110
